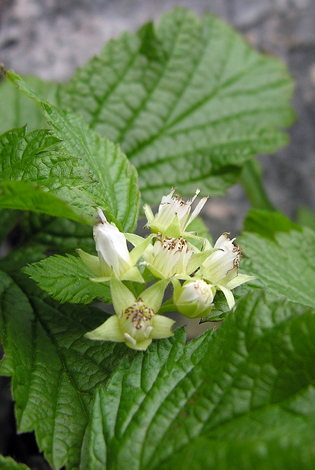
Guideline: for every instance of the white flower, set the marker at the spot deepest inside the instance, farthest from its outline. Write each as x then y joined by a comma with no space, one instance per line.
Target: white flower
113,254
173,217
194,298
136,321
224,261
173,257
170,256
221,267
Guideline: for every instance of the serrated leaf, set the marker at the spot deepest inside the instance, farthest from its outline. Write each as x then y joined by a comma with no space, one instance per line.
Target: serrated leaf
26,197
16,110
283,261
240,398
54,369
35,159
68,279
115,180
189,101
6,463
116,191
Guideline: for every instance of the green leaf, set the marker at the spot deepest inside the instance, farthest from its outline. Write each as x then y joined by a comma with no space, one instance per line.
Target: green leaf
35,159
283,261
114,186
26,197
240,398
54,369
6,463
67,279
189,101
116,191
16,109
267,224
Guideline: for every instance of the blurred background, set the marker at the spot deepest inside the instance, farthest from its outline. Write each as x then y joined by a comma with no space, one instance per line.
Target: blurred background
51,38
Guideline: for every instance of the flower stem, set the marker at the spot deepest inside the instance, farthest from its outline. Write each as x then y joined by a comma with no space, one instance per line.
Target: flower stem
253,187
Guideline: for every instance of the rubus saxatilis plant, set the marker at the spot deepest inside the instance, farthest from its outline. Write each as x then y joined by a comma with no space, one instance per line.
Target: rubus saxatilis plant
99,370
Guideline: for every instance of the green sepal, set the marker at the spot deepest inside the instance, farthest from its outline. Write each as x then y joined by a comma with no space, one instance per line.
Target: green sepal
108,331
173,230
153,296
91,261
122,297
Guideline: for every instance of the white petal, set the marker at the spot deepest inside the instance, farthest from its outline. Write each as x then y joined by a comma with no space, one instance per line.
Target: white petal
197,210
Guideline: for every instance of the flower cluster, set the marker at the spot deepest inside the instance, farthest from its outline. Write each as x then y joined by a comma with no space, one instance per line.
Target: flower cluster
166,256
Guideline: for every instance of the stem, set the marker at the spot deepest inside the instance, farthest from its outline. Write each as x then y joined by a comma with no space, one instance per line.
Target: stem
253,187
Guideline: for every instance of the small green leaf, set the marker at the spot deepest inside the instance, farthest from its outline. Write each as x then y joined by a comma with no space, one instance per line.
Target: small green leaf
242,398
189,101
68,279
284,260
26,197
6,463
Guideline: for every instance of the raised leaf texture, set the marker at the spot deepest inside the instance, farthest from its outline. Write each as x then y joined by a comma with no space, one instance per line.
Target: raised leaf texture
58,181
189,101
54,369
283,261
240,399
67,279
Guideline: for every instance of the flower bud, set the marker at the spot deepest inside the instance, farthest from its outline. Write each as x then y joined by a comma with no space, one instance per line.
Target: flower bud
194,298
111,246
113,254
